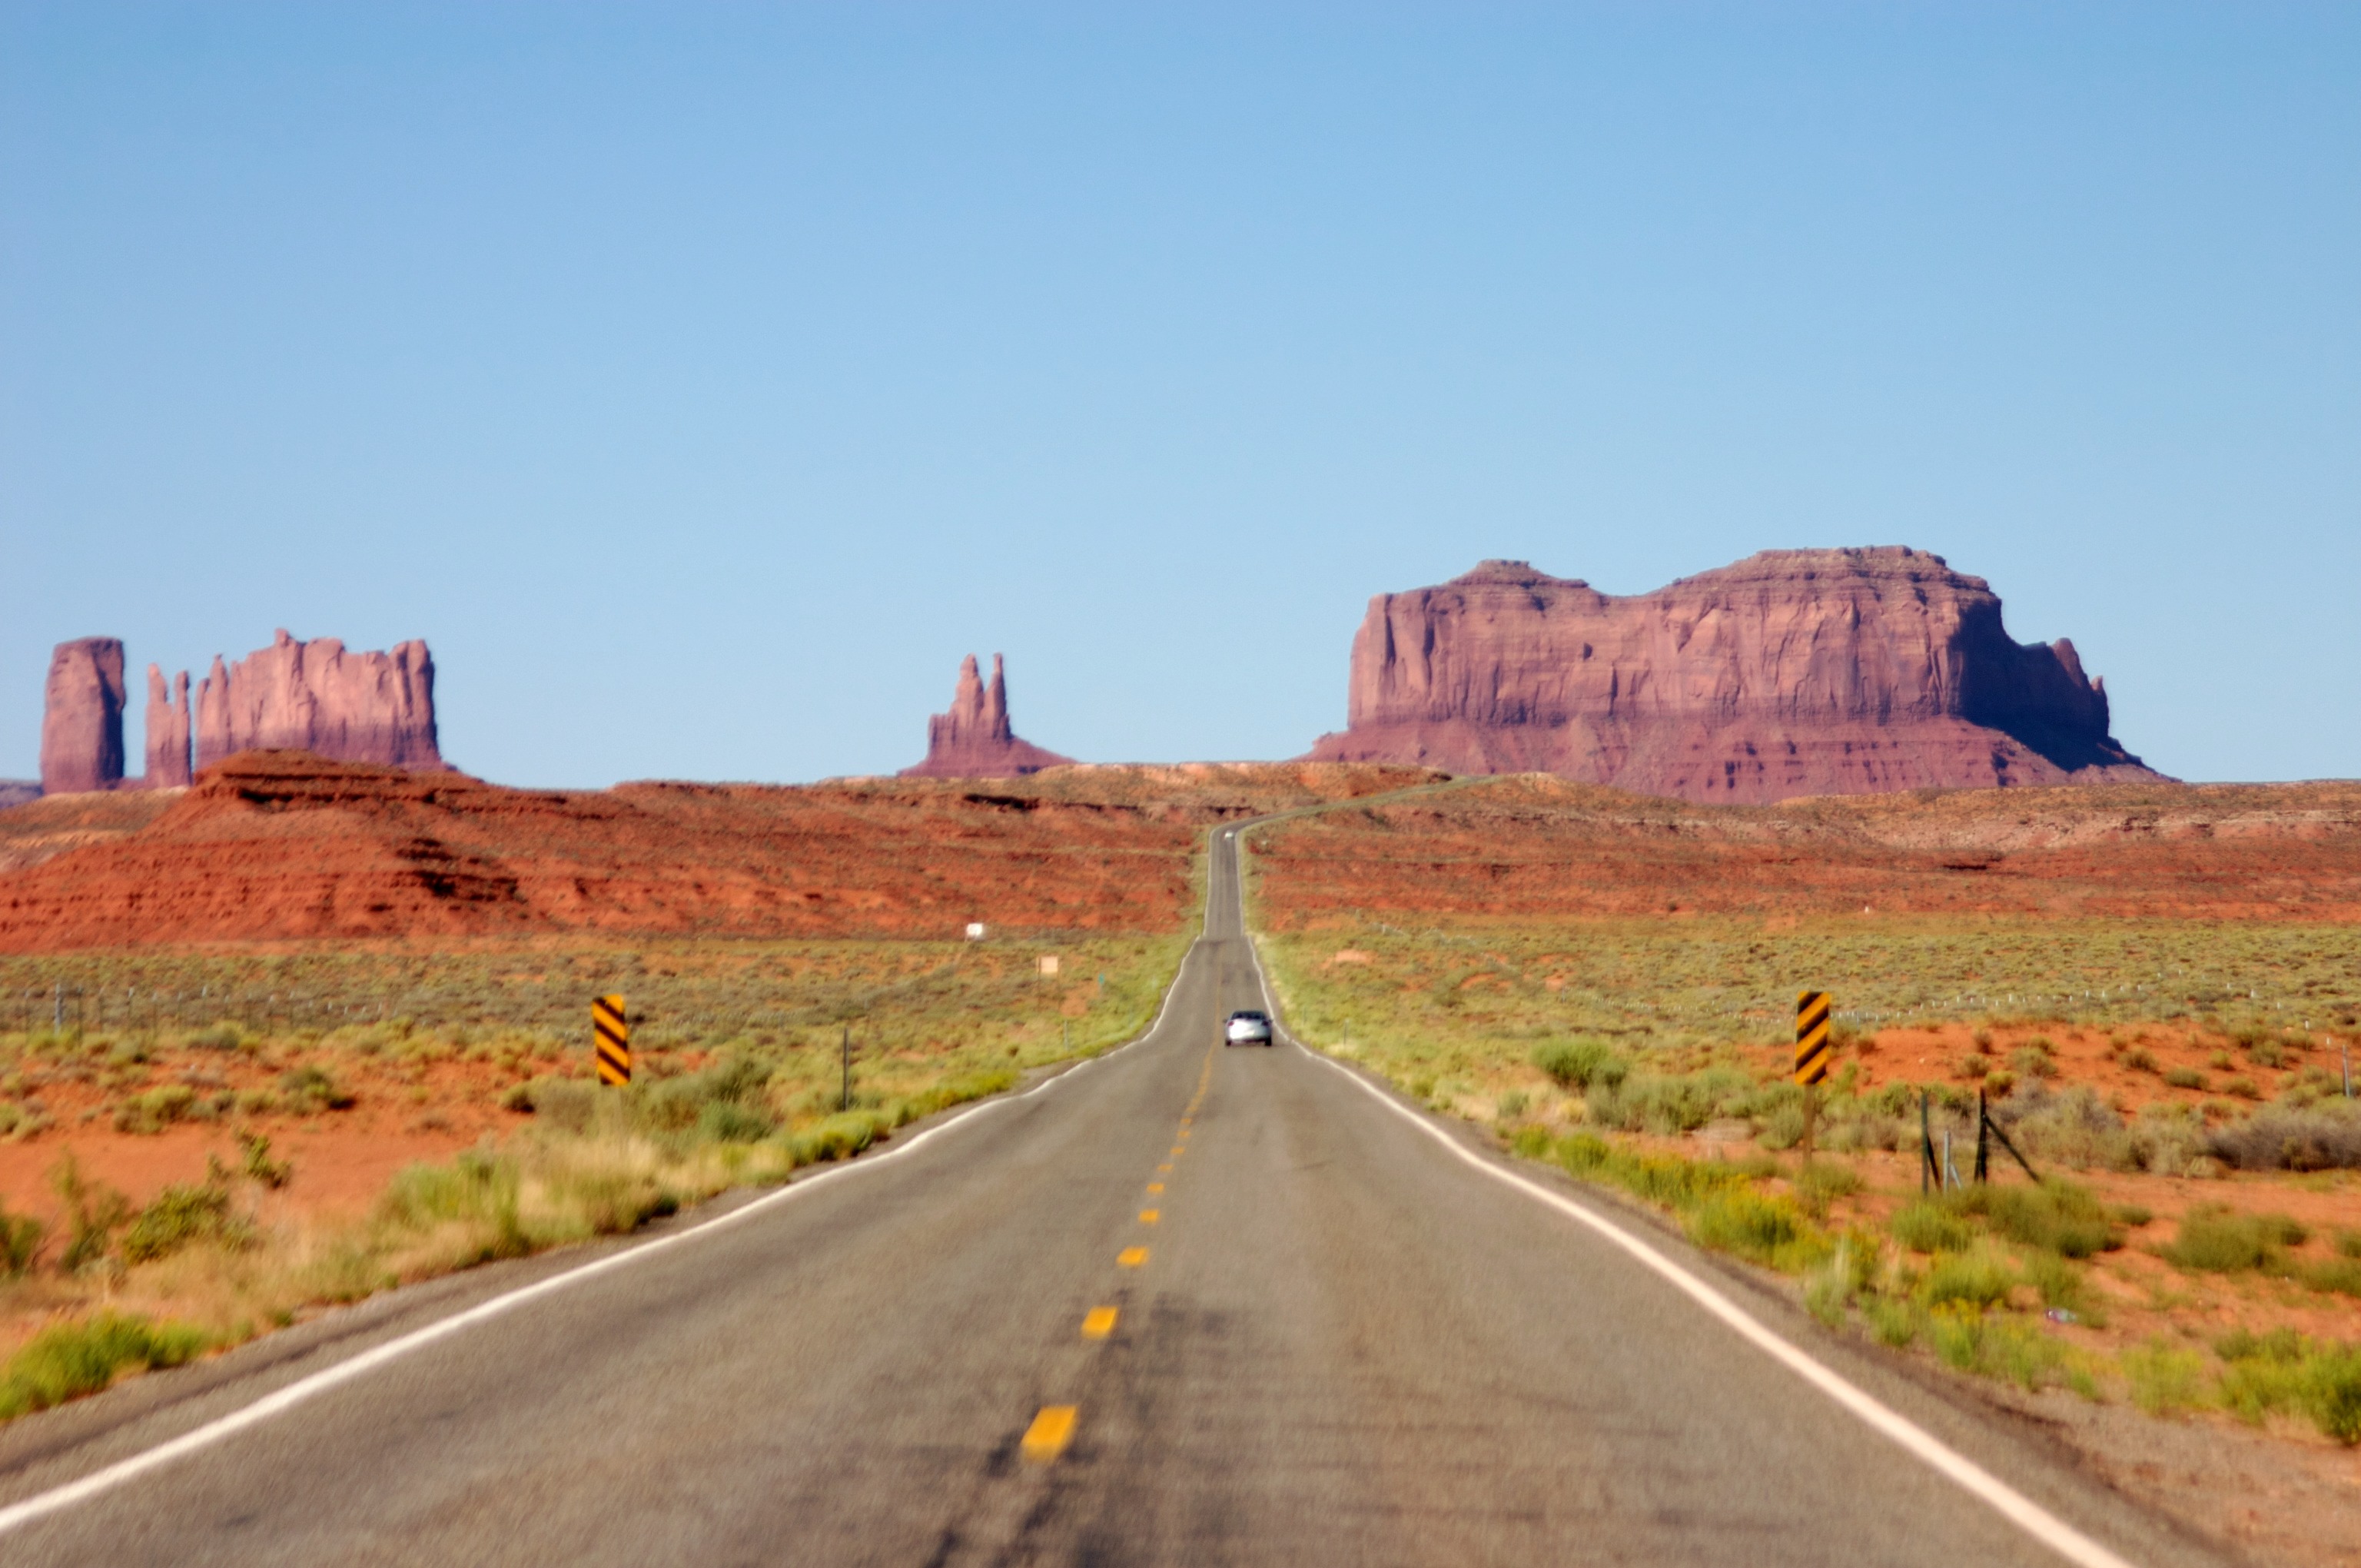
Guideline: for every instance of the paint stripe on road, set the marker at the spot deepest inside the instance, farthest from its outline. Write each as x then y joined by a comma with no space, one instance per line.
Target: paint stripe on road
2003,1498
1098,1323
1050,1431
15,1516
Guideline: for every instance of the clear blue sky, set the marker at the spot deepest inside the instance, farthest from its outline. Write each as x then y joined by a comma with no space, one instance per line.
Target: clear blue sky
702,381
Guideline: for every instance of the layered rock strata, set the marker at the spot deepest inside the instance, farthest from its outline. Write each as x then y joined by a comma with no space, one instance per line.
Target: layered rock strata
973,740
315,697
167,730
82,717
1792,673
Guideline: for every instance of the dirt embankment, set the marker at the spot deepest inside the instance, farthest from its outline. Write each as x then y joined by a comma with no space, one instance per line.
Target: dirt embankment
1532,847
283,846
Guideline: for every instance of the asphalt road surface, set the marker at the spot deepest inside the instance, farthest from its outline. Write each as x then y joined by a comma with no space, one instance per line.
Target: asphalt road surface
1186,1304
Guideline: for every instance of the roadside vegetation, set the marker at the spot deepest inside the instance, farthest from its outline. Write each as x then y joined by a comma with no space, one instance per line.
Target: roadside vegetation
741,1077
2193,1241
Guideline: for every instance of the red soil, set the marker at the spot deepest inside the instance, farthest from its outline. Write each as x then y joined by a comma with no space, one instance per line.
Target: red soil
1536,847
402,1111
275,845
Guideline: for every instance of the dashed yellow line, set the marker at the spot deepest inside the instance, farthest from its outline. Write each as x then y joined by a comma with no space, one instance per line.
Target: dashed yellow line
1155,1187
1132,1256
1149,1216
1050,1431
1098,1323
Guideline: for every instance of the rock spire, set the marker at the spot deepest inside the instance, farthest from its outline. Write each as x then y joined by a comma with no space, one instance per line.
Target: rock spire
973,739
82,717
167,730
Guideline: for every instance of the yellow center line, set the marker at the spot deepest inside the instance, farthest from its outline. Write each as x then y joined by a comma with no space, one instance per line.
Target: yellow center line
1155,1187
1050,1431
1098,1323
1149,1216
1163,1170
1132,1256
1178,1151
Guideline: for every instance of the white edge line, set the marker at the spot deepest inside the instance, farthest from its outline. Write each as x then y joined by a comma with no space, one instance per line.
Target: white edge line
105,1479
1916,1441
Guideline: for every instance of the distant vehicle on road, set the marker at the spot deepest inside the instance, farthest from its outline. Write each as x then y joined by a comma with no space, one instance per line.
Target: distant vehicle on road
1246,1028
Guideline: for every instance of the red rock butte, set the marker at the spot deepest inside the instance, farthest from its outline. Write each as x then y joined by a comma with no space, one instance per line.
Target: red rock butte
82,717
973,740
314,696
1792,673
293,695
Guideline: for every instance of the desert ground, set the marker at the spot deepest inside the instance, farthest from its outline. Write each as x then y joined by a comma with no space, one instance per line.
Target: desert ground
308,1029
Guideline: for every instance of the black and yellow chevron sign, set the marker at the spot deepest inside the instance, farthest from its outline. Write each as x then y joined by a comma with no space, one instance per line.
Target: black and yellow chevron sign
1812,1049
611,1038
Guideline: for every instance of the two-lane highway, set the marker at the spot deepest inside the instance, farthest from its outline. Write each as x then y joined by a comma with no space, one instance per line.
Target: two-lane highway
1184,1304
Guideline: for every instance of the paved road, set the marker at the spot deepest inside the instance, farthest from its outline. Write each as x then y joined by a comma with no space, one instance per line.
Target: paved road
1337,1341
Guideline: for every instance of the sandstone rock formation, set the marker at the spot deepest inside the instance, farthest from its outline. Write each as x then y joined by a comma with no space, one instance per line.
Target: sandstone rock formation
1792,673
82,717
167,731
314,696
973,739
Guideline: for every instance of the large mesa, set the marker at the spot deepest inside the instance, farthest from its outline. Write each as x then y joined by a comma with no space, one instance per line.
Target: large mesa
973,740
1792,673
316,696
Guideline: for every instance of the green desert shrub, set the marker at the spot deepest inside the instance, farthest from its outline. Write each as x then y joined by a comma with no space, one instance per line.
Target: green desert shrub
157,1109
2057,1216
2029,1062
2166,1138
2325,1135
841,1137
93,1212
2222,1241
2164,1379
1757,1227
2072,1127
20,1243
1820,1183
2332,1393
1976,1279
478,1188
958,1089
1580,1064
67,1360
1931,1226
1997,1345
182,1215
1667,1103
726,1121
310,1088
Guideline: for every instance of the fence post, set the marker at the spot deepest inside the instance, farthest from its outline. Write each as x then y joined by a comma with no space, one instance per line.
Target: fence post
1926,1148
1983,1145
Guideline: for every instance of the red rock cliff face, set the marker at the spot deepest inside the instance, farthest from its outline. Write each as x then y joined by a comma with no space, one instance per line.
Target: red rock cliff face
82,717
1795,672
167,730
314,696
973,740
